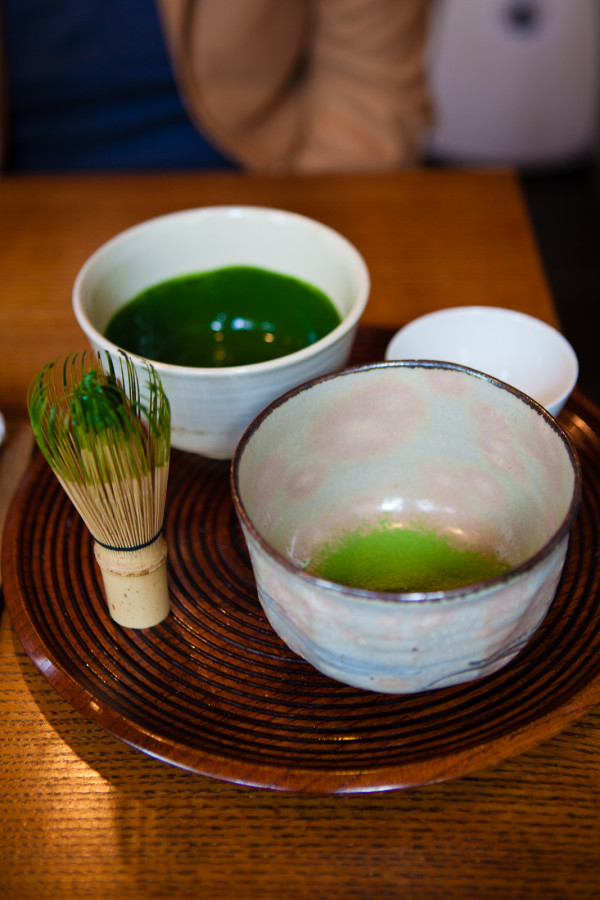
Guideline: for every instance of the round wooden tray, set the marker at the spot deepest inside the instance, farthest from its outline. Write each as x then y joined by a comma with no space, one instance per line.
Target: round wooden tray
215,691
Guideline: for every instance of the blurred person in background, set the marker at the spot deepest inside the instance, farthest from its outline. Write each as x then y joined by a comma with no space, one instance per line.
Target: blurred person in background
257,85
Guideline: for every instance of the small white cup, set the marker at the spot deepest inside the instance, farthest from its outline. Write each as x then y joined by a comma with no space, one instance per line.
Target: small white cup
211,407
516,348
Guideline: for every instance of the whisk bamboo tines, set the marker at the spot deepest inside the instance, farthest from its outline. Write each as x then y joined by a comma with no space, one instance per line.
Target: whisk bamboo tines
109,444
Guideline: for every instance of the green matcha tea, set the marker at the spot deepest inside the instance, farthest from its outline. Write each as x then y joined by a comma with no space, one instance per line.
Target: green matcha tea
403,560
233,316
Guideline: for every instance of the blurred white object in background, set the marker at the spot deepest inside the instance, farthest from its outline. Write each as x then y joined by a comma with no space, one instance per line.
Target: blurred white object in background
514,82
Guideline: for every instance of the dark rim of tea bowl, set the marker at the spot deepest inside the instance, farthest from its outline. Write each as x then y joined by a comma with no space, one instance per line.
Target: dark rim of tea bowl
433,596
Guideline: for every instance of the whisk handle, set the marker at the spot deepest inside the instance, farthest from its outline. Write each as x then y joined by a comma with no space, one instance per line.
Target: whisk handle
135,583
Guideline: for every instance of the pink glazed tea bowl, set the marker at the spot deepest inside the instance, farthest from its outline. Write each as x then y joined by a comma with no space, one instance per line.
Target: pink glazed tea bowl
414,445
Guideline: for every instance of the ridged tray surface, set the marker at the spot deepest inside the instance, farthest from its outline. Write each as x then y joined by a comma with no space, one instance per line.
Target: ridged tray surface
214,690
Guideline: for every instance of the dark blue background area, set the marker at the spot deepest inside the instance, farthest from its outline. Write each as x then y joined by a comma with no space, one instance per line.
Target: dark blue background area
564,206
91,88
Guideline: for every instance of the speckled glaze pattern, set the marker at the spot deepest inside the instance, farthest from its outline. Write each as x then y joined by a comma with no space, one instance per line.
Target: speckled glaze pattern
409,443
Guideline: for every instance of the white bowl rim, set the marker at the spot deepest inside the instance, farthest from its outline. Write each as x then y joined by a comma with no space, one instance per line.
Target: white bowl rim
456,594
226,211
506,313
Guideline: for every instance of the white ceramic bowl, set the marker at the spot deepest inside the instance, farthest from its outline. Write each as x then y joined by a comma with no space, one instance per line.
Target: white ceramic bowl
211,407
429,445
514,347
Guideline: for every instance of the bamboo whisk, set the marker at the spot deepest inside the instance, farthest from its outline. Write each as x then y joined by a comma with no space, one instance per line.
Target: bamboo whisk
109,447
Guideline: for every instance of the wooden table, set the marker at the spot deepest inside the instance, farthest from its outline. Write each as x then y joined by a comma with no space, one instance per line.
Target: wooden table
83,815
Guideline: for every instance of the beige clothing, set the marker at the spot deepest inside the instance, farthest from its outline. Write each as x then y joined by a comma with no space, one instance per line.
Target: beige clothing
301,85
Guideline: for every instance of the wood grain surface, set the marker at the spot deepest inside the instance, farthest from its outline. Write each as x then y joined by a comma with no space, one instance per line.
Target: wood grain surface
214,690
82,814
430,240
